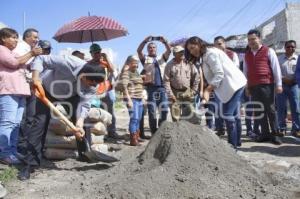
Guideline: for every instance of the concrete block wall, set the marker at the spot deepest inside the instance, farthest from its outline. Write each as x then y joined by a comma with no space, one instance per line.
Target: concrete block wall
282,27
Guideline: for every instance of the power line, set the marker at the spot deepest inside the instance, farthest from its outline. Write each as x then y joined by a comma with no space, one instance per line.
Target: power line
195,13
182,19
237,20
232,18
267,12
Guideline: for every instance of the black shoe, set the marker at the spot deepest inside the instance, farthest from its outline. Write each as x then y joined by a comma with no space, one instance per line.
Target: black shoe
262,138
145,137
276,140
113,135
296,134
220,132
24,173
280,133
83,158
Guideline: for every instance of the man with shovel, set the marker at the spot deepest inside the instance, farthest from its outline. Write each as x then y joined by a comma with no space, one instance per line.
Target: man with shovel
72,81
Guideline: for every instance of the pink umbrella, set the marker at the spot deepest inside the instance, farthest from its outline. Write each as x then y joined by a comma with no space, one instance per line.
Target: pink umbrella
89,29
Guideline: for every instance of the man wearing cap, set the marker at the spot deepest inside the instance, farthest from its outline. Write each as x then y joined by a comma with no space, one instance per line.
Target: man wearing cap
65,78
46,46
108,100
181,80
153,81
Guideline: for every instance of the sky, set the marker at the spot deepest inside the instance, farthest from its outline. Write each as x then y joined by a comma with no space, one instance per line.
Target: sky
172,19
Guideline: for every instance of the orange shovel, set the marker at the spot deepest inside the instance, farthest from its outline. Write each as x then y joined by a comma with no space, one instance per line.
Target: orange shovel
93,156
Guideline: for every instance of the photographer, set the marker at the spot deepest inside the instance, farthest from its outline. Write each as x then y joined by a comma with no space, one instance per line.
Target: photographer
153,79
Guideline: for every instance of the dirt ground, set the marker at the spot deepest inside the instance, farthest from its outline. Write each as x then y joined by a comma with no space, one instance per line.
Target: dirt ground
280,165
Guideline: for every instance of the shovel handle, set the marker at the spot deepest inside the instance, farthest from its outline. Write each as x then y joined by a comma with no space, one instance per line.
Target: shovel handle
40,93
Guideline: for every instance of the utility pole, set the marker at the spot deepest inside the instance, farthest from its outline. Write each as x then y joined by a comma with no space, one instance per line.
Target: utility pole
24,21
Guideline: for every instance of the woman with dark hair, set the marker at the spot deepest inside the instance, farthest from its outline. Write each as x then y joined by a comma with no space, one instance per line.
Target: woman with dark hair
224,78
13,92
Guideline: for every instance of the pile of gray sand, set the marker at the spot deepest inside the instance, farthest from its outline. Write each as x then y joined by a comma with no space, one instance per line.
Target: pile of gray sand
187,161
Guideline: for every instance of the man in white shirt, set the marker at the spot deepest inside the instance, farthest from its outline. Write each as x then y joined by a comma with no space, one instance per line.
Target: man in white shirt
30,40
290,93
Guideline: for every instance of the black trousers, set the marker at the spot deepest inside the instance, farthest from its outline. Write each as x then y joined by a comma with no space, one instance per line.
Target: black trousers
265,117
26,122
36,131
142,130
108,105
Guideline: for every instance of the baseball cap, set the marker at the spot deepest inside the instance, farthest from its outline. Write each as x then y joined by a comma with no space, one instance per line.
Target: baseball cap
44,44
135,58
177,49
95,48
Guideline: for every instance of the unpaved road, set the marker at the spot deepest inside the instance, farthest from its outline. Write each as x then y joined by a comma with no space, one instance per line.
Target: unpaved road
73,179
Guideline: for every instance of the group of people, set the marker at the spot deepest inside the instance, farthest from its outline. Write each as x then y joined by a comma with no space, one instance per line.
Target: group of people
203,75
200,75
65,78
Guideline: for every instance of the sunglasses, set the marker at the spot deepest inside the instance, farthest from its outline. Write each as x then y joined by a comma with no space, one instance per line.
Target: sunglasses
290,47
97,52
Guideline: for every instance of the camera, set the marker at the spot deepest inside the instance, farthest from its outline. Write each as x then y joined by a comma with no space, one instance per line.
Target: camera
155,38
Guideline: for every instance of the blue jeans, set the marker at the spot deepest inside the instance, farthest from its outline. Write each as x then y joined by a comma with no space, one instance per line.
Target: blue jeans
219,121
210,115
290,93
112,95
135,114
157,99
231,115
107,103
248,112
11,112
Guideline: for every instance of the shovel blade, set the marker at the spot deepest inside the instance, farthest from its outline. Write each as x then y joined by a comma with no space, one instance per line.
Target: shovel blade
96,156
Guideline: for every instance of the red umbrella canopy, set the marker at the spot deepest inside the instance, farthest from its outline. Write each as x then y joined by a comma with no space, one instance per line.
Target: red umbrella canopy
89,29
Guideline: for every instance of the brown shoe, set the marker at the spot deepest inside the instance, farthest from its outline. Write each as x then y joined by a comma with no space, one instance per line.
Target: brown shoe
138,134
133,139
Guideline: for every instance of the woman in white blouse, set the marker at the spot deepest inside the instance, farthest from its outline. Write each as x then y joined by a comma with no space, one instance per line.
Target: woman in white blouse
224,78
